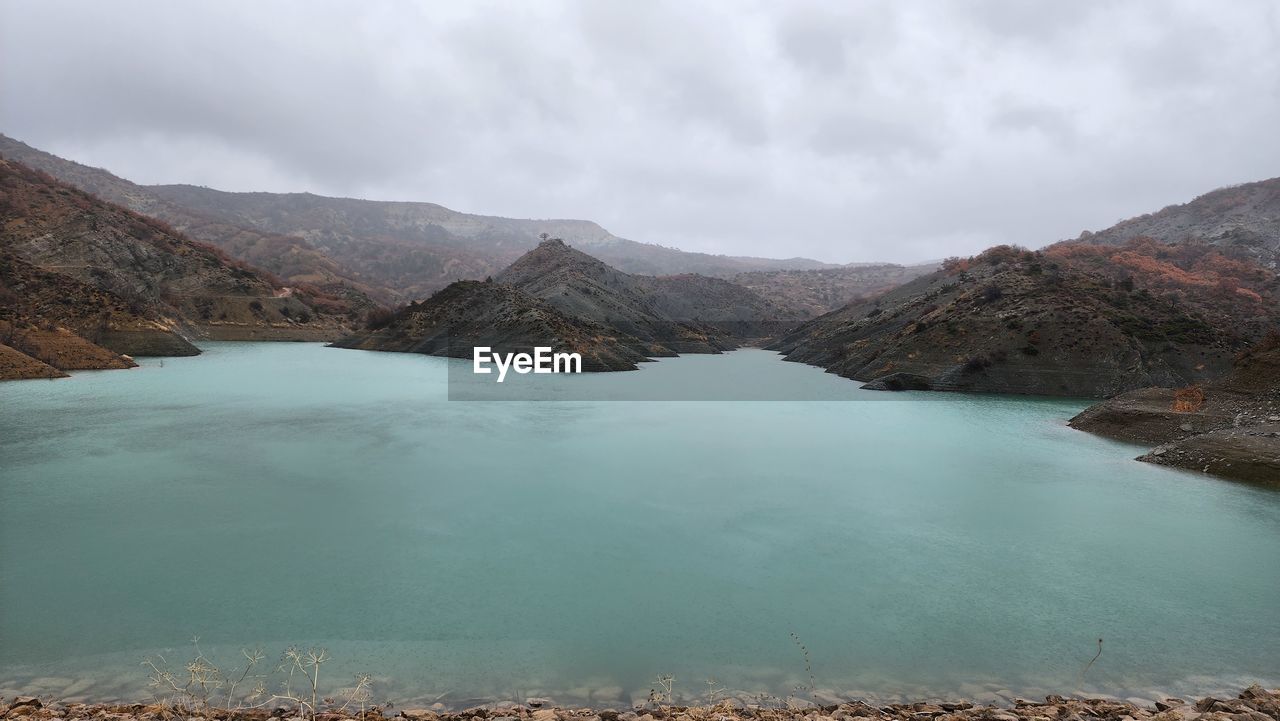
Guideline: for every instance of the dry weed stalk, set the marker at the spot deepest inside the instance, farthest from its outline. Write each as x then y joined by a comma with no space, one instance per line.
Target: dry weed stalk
195,685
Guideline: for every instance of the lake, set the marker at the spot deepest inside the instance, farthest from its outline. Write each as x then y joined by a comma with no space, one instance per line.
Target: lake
915,544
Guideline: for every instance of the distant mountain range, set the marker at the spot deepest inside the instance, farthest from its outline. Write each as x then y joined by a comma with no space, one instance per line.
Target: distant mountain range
814,292
390,251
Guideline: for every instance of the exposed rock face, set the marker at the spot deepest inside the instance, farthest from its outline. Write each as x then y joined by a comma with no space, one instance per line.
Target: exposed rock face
473,313
583,287
67,351
1045,323
1244,219
1146,415
1229,428
34,301
811,293
1250,453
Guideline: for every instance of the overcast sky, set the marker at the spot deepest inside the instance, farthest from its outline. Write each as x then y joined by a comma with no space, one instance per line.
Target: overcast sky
843,131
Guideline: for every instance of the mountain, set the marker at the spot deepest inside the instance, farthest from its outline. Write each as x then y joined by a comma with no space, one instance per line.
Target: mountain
78,273
1072,320
390,251
585,287
291,258
558,296
414,248
469,313
814,292
1242,220
1229,427
702,301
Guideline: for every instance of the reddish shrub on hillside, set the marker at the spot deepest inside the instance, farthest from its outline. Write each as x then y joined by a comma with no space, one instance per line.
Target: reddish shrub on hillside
1154,271
1187,400
1252,295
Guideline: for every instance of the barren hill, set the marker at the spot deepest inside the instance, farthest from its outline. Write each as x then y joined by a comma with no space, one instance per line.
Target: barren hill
814,292
1073,320
471,313
94,274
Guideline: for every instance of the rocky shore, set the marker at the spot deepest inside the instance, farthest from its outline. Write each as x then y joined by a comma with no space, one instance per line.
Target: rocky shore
1253,704
1228,428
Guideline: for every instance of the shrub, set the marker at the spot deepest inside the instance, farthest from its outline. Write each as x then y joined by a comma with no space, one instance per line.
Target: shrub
1187,400
1002,254
378,318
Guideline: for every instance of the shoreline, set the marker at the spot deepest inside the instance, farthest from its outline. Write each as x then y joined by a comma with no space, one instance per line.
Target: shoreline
1250,704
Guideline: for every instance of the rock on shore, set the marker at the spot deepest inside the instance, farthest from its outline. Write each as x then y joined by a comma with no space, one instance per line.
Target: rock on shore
1253,704
1228,428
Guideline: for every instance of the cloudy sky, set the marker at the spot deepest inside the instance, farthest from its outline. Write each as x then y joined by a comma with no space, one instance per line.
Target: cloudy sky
840,130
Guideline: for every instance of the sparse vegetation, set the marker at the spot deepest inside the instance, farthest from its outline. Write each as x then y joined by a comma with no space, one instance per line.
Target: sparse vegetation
201,685
378,318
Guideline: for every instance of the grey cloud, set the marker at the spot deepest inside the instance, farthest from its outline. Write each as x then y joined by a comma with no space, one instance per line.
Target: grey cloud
874,138
1052,123
868,131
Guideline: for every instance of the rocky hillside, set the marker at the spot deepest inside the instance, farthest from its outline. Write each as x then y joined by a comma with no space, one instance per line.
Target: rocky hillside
730,308
1242,220
1229,427
391,251
584,287
69,324
78,273
1072,320
558,296
811,293
289,257
472,313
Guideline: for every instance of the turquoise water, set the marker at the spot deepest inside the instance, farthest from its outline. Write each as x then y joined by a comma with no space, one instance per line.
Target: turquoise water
277,494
